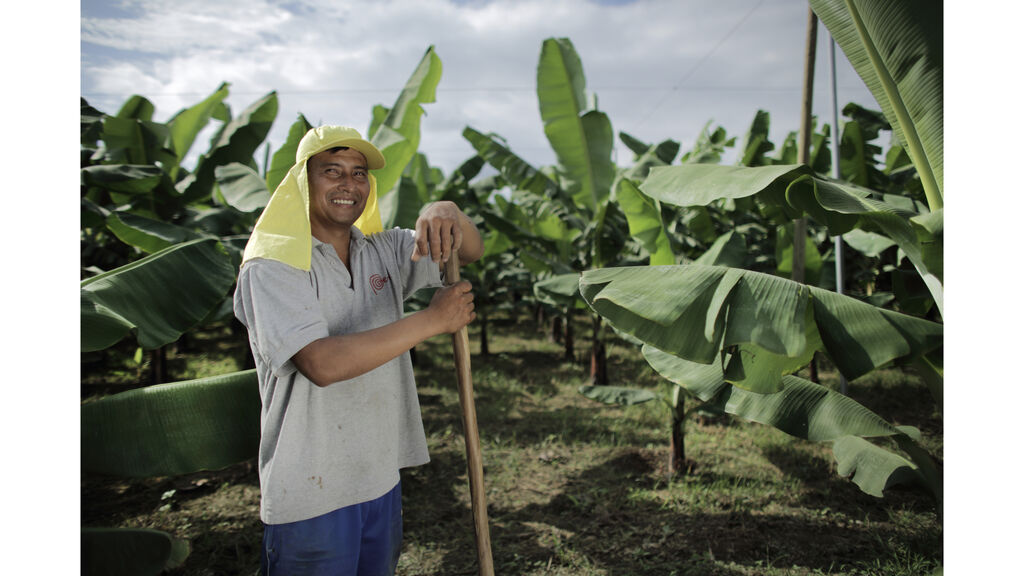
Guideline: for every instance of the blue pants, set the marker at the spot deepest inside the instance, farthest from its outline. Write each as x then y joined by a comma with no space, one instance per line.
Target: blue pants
359,540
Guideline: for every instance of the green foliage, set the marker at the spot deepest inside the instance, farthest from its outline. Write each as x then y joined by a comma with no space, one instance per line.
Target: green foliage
896,48
796,191
580,136
733,338
137,198
173,429
397,136
159,297
701,312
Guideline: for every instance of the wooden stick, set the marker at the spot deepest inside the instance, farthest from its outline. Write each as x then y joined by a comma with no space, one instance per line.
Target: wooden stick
474,458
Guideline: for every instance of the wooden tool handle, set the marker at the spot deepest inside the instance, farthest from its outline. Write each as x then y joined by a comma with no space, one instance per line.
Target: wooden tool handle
474,458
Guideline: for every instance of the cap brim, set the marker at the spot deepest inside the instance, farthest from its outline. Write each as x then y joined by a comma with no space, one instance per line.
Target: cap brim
374,158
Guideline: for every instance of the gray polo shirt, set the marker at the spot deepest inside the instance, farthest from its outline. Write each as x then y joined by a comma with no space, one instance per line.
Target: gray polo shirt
325,448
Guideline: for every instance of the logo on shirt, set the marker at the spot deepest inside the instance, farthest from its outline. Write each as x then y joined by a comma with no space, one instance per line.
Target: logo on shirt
377,282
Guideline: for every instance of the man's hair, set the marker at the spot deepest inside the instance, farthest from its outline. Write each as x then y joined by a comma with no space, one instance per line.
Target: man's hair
331,150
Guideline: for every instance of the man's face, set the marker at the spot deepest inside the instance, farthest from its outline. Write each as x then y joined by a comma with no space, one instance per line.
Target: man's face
339,183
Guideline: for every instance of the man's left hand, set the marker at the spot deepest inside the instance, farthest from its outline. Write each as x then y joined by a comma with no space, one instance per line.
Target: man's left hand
438,232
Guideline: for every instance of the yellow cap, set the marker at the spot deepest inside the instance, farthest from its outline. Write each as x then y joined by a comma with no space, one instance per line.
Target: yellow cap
326,137
282,232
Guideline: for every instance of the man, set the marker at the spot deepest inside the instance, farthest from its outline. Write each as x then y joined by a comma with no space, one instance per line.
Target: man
322,300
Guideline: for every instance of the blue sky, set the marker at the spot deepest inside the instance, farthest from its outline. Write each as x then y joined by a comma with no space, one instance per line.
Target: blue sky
660,69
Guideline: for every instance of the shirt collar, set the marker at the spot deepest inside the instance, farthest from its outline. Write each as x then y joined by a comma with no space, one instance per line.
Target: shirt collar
356,240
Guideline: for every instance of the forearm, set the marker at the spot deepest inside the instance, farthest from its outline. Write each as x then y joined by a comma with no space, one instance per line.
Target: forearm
342,357
472,248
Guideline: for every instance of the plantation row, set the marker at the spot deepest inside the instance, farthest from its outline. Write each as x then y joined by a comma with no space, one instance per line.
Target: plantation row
681,255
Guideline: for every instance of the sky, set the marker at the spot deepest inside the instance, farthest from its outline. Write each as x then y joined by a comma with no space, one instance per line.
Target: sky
660,69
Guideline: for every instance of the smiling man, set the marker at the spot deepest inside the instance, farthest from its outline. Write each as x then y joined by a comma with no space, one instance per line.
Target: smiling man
322,298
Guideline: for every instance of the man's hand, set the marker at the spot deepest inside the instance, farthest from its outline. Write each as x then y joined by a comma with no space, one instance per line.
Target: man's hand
438,232
452,306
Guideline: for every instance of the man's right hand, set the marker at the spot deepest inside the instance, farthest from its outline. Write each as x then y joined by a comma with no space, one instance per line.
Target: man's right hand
452,306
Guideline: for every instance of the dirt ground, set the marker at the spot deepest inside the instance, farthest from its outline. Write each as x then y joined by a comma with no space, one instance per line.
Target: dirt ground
575,487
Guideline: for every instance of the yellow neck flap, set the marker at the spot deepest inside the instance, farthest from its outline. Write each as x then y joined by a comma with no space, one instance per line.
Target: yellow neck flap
282,232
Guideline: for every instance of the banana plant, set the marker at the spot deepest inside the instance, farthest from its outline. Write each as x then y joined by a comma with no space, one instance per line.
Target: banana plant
744,333
157,298
575,194
896,48
137,198
396,130
797,190
166,429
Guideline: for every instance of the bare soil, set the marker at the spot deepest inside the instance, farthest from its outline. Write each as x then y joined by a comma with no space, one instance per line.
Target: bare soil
576,487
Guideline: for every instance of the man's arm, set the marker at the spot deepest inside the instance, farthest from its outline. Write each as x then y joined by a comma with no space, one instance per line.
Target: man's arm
336,358
440,226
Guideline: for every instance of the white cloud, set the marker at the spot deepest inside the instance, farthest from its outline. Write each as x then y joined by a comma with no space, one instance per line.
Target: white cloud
661,68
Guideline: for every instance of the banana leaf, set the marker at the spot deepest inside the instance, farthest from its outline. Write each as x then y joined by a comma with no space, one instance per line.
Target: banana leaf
582,139
513,168
807,410
872,468
402,207
137,108
159,297
91,127
237,141
756,145
398,135
188,123
136,141
867,243
283,160
784,255
664,153
896,48
123,178
241,187
644,217
562,290
709,146
839,206
173,429
130,552
729,249
147,234
701,312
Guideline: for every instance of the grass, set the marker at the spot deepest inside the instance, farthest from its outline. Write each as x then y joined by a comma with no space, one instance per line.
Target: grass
577,487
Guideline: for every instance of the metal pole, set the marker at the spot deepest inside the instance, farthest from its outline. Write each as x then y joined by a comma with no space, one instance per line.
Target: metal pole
836,174
474,457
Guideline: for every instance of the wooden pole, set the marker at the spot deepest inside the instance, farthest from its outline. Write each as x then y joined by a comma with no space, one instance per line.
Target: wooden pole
474,458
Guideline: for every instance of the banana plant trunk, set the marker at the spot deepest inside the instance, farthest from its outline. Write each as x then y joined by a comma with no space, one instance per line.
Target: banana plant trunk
598,356
677,449
484,348
570,337
158,365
